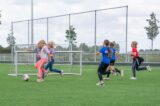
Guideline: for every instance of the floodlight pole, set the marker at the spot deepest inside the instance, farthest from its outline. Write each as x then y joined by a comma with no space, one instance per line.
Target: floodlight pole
12,28
95,33
126,33
12,45
28,33
69,17
0,17
32,29
47,29
70,44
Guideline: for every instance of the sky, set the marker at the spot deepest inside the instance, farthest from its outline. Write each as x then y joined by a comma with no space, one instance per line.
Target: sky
139,11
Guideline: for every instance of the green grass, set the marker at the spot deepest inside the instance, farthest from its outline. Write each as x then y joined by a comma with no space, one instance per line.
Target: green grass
81,90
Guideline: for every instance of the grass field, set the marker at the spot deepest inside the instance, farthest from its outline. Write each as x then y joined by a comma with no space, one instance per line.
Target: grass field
72,90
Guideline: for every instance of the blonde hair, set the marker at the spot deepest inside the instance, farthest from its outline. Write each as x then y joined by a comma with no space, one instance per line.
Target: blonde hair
112,44
51,44
39,44
134,43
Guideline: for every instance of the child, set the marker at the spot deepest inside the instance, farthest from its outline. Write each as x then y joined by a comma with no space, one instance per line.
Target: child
114,55
135,63
51,62
44,57
38,50
105,61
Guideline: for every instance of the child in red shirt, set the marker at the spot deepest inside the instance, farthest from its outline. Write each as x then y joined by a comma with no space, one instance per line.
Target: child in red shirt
136,61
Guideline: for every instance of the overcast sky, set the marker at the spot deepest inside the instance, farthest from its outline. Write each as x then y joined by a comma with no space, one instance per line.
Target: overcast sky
139,11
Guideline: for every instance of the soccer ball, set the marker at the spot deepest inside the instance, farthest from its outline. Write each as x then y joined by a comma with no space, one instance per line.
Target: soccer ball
25,77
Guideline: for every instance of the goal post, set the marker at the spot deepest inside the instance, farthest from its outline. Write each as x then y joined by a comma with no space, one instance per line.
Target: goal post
24,62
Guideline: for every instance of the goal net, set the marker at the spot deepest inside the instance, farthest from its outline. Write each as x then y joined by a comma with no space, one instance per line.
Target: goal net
24,59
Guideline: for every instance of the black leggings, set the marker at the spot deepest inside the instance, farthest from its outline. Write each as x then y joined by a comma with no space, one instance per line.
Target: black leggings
136,66
102,70
112,62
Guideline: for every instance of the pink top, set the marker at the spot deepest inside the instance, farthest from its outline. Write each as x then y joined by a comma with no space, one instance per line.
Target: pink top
44,53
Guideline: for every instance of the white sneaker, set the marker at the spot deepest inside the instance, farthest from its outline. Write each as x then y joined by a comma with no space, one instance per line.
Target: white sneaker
133,78
101,83
114,73
62,73
148,68
122,73
40,80
106,78
46,73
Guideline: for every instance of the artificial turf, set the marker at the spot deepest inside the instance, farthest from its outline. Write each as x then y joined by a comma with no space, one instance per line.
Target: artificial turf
71,90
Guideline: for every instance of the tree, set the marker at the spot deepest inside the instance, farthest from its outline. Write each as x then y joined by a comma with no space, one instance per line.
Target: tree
141,50
71,35
11,39
116,45
5,50
152,30
84,47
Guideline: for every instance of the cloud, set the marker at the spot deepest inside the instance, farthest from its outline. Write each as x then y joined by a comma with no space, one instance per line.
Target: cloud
21,2
71,1
139,10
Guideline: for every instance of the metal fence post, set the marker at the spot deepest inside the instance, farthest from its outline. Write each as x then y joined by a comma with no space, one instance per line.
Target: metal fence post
126,33
47,29
28,33
32,26
95,33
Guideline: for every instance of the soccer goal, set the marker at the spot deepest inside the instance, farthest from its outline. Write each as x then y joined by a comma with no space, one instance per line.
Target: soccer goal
24,60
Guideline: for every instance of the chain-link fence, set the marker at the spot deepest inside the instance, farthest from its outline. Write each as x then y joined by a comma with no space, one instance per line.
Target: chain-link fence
91,28
5,58
89,57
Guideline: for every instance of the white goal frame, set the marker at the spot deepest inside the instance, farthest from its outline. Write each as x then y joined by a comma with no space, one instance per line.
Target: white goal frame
15,63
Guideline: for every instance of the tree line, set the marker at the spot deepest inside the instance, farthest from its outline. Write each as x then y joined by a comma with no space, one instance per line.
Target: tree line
152,30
